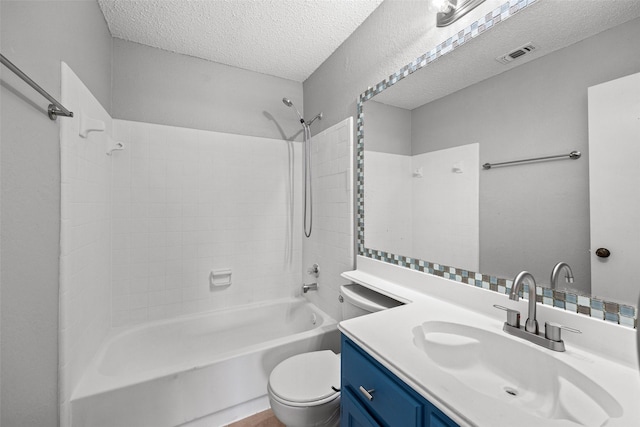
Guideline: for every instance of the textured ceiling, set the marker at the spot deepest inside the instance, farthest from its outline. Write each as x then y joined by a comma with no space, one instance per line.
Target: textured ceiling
548,24
284,38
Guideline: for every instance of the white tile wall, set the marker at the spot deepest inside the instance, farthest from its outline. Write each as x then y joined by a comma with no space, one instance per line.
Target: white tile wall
400,223
85,240
331,244
188,201
387,202
447,199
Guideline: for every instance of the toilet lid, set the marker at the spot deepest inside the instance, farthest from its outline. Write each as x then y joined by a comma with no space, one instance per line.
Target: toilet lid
306,377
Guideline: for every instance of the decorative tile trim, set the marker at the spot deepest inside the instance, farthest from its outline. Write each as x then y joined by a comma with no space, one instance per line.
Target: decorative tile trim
609,311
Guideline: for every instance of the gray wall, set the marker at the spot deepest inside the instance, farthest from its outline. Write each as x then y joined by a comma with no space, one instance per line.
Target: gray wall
36,36
532,216
388,128
156,86
396,33
391,37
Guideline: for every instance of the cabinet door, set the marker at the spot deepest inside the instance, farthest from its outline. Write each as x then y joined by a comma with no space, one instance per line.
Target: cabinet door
353,414
438,419
389,401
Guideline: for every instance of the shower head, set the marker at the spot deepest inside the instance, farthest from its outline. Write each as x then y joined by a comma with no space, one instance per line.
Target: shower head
288,103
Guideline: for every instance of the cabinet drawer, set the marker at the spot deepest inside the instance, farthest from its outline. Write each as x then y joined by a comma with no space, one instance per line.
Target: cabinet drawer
353,413
390,402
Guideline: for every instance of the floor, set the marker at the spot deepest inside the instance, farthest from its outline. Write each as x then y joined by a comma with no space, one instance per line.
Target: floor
261,419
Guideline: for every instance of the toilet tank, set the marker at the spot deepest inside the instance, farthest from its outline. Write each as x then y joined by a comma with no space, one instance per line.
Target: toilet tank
357,301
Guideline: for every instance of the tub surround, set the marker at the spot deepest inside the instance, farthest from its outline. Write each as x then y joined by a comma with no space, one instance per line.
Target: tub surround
85,241
188,201
331,244
143,228
387,336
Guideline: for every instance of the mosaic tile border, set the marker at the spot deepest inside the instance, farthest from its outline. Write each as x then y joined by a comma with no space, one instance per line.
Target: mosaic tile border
608,311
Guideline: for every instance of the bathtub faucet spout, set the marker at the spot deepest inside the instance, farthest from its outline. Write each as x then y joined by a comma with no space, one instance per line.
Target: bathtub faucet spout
309,287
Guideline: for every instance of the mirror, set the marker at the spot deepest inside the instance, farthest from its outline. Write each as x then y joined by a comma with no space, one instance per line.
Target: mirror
426,195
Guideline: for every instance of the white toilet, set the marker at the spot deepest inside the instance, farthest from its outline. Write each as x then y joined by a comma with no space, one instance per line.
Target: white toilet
304,389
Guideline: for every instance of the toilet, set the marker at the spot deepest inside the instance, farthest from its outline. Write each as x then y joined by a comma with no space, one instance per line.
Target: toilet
304,390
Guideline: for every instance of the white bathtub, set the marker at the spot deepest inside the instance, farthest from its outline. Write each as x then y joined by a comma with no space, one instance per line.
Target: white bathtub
173,372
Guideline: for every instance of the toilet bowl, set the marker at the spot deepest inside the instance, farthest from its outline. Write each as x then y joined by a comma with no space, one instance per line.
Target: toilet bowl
304,389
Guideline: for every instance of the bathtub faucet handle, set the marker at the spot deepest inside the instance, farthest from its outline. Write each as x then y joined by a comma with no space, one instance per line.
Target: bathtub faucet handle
314,269
309,287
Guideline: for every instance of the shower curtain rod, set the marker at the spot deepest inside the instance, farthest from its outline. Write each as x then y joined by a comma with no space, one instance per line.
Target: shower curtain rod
55,108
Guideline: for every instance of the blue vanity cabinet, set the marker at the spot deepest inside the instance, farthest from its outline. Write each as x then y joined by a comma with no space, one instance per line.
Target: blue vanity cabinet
372,396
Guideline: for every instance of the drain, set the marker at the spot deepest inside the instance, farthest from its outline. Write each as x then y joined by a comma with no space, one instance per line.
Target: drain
511,391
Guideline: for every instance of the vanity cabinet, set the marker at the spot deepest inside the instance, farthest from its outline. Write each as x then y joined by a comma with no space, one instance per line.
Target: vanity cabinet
373,396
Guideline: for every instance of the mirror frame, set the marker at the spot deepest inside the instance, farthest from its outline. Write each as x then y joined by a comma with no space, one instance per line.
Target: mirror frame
563,299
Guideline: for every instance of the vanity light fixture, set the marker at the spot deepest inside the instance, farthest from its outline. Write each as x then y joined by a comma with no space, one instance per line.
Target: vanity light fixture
452,10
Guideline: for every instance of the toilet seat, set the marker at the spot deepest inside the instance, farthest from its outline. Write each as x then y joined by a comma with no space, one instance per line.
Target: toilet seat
306,379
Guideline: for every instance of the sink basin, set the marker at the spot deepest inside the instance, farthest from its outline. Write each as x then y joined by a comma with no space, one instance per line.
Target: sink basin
516,373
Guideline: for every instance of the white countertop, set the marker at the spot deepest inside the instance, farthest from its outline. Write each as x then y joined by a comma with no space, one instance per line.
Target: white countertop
387,336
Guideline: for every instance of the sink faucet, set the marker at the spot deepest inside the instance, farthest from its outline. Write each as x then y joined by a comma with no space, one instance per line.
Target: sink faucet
551,338
524,276
556,272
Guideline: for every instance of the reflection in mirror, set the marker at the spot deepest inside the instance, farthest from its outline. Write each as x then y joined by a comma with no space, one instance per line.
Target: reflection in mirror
426,195
412,196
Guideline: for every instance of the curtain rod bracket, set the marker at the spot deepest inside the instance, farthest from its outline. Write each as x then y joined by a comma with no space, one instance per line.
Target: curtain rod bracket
55,109
54,112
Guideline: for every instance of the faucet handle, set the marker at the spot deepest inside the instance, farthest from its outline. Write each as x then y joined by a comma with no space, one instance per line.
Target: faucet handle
552,331
314,270
513,316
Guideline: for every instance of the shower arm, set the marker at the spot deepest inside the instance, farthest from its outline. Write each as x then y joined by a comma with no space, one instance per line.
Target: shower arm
289,103
318,116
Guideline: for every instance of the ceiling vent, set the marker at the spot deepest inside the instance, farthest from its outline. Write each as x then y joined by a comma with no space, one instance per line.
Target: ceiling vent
516,53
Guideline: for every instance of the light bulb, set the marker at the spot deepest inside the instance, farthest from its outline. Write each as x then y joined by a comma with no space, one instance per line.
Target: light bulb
444,5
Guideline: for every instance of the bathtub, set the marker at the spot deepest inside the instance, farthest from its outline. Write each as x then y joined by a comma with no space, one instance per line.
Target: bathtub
198,370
